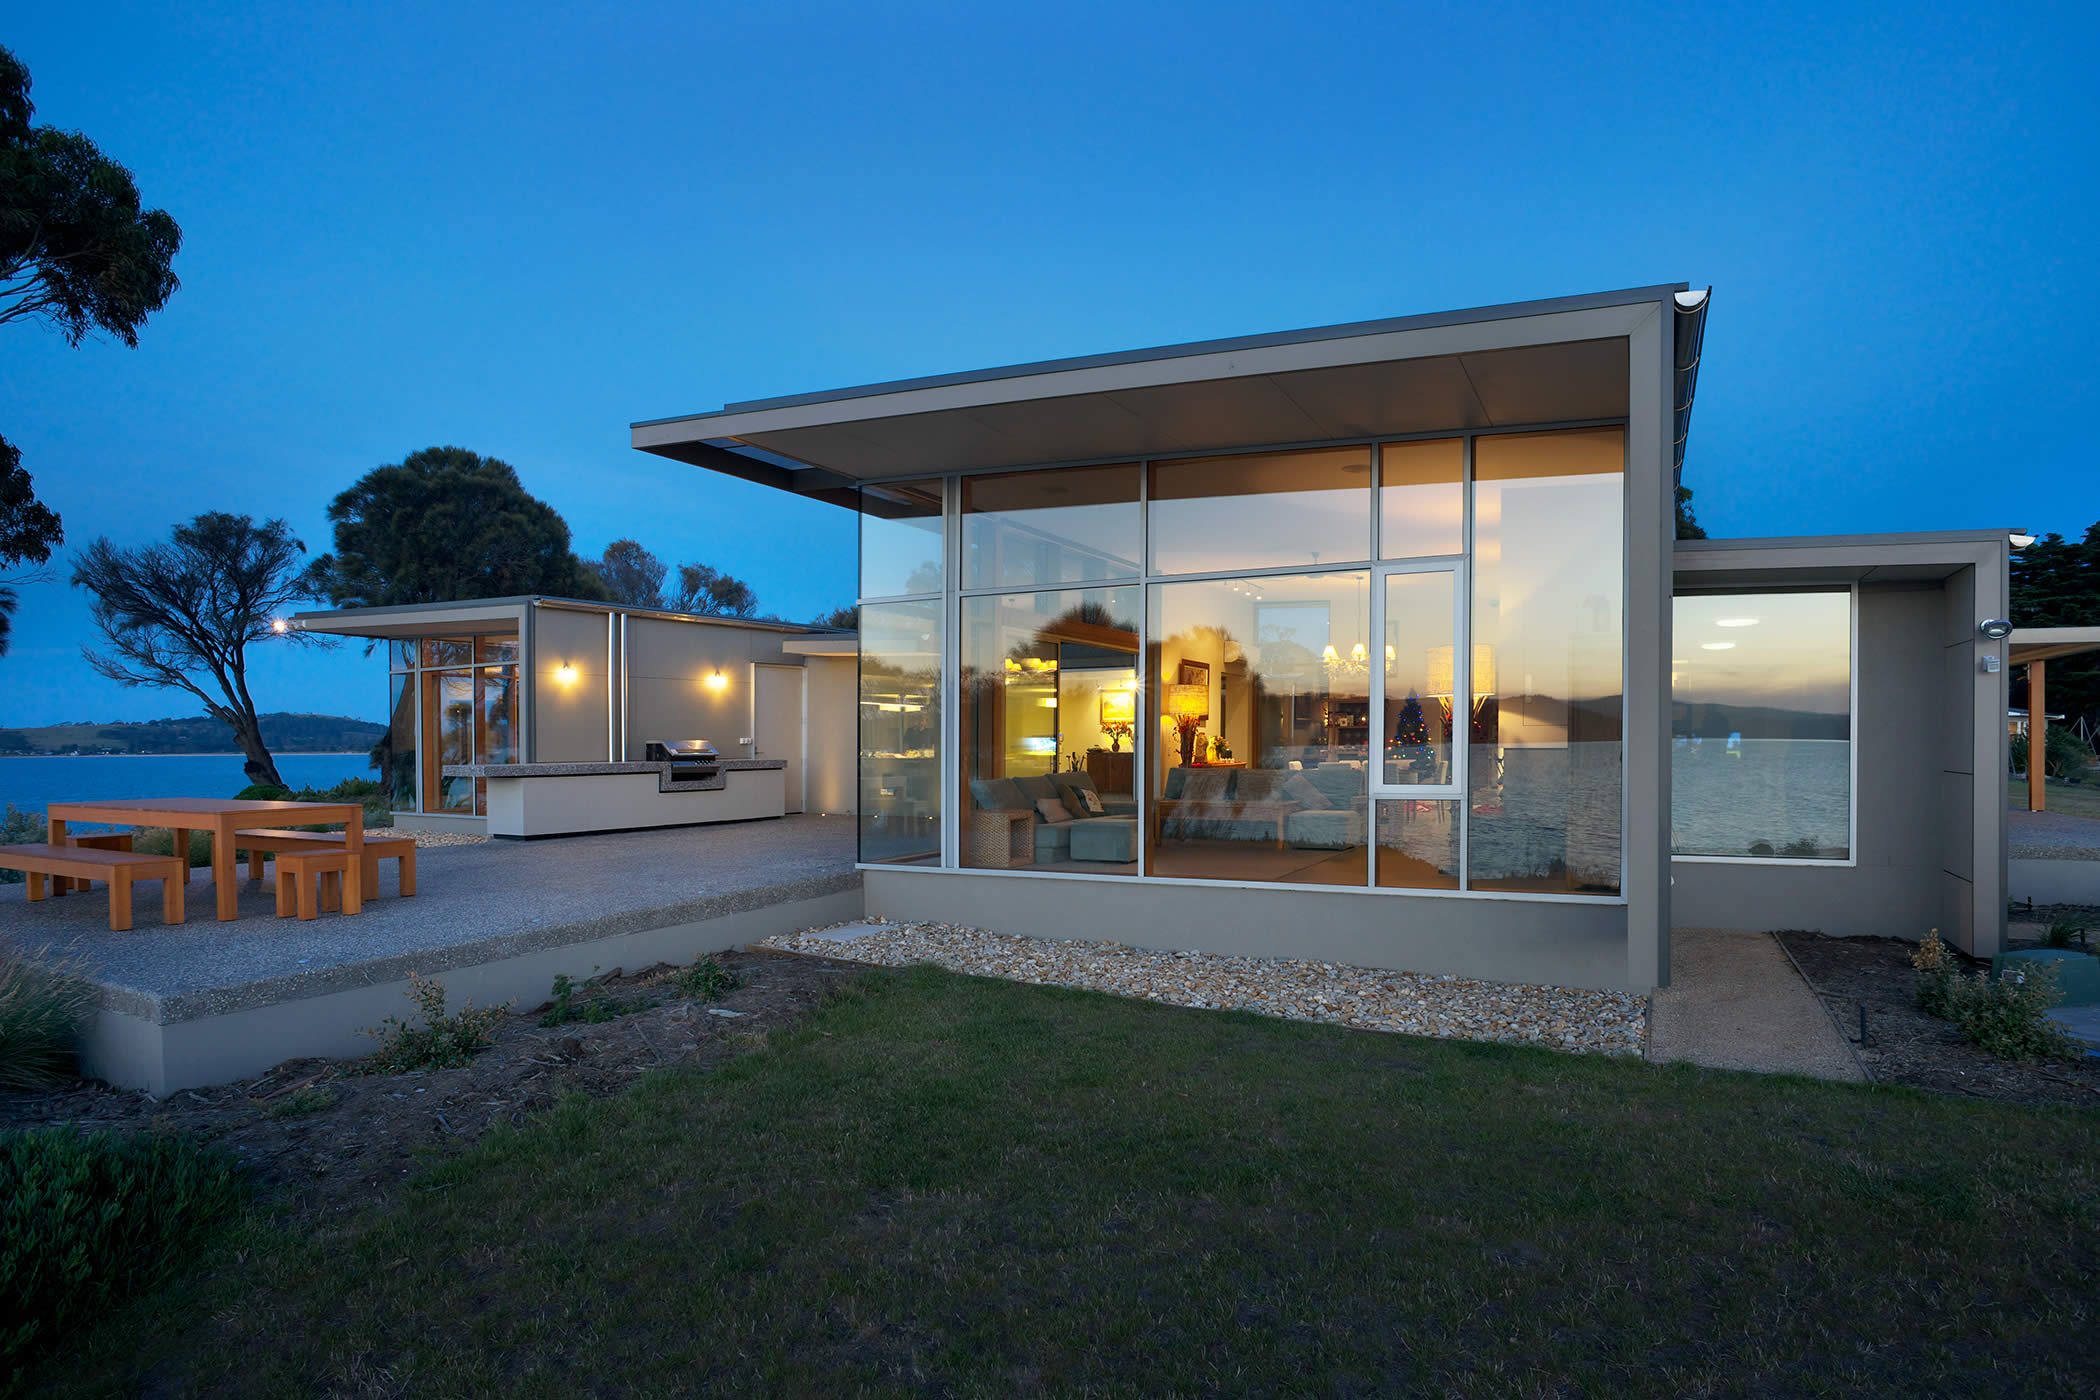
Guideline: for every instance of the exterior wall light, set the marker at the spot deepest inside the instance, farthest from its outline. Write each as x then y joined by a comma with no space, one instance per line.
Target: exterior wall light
566,673
1996,628
717,682
279,626
2020,540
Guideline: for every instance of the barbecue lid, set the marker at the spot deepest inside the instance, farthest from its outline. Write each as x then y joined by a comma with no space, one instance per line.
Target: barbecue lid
682,748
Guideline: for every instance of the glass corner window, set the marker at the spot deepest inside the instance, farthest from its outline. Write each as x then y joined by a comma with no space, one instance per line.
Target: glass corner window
900,733
1042,528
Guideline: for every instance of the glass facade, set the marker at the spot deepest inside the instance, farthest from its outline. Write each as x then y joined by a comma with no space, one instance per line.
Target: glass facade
448,705
1046,724
1547,625
1383,665
1262,705
1762,726
900,732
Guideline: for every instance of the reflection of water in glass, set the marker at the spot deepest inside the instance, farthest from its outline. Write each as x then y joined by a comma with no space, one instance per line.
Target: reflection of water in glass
1778,797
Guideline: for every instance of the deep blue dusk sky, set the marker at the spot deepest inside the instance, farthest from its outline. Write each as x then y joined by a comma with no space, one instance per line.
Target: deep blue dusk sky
519,230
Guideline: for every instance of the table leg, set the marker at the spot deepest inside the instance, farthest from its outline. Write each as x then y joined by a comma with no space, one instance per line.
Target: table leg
224,885
179,845
354,867
56,835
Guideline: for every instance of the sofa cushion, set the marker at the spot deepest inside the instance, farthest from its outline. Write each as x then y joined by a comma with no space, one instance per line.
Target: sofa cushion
1206,784
998,795
1069,787
1033,786
1258,785
1300,789
1049,809
1331,830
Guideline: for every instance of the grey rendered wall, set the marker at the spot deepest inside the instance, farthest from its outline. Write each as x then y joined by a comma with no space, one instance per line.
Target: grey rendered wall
568,721
667,666
1906,822
1973,874
1559,943
833,733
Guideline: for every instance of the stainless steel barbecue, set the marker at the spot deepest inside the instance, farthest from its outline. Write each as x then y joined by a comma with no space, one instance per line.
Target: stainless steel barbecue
690,759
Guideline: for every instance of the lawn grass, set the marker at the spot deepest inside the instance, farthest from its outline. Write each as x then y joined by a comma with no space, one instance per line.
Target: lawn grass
955,1186
2083,800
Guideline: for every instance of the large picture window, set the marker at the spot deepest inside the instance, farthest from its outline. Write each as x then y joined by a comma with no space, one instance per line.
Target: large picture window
448,704
900,732
1761,726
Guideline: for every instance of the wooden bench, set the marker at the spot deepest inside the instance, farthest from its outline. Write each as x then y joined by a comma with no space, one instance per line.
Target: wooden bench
310,881
98,840
401,849
119,869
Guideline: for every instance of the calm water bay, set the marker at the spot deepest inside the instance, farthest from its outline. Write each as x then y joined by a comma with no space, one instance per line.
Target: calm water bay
1768,792
34,783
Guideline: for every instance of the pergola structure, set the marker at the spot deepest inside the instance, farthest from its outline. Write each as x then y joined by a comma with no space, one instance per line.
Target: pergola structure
2034,648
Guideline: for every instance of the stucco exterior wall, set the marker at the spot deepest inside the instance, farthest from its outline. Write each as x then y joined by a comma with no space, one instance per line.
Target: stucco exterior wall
1549,942
1902,817
668,664
568,719
833,734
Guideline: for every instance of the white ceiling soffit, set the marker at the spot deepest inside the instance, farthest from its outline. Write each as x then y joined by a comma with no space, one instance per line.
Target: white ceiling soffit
1565,382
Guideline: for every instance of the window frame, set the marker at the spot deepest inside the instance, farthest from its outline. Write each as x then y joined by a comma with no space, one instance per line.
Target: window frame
1851,860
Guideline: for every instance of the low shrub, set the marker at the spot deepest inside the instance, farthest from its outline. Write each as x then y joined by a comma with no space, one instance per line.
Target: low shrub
442,1042
20,827
706,980
2062,932
591,1011
44,1005
88,1217
162,843
2005,1014
311,1099
1936,969
263,792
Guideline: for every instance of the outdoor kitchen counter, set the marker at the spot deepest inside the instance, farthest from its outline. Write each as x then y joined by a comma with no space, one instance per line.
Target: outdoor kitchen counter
565,799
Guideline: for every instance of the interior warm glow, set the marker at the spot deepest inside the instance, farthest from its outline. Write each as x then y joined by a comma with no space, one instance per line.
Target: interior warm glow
1191,701
1735,622
1118,706
1717,646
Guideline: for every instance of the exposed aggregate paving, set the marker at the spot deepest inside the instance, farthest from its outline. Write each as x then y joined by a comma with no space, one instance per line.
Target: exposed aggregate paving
1559,1018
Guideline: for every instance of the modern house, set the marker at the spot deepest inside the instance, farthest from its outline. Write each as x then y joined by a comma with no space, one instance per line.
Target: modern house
1373,643
533,716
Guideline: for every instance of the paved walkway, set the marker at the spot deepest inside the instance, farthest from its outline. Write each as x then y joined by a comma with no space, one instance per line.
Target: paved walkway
1736,1002
2051,836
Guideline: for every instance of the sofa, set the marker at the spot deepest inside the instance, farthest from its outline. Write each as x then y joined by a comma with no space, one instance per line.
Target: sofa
1053,840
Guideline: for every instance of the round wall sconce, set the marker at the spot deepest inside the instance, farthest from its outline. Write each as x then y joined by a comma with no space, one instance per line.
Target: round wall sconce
566,673
1996,628
717,682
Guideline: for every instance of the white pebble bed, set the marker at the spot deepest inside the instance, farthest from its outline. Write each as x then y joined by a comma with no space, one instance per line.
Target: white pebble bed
1559,1018
427,839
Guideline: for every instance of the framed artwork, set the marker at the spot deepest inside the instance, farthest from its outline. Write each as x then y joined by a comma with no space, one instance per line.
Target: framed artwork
1193,673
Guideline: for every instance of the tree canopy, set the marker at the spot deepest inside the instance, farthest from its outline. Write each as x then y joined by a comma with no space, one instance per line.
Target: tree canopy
705,589
2056,583
76,252
443,525
631,574
76,249
1688,527
182,615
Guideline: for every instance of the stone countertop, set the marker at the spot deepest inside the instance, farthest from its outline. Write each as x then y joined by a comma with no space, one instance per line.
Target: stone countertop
596,770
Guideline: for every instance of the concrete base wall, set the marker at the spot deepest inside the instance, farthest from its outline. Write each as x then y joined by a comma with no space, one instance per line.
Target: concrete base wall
1559,943
138,1053
623,801
433,821
2053,881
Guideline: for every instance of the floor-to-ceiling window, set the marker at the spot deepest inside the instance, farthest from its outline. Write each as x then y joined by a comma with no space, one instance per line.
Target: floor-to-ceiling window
452,700
1762,727
902,550
1377,665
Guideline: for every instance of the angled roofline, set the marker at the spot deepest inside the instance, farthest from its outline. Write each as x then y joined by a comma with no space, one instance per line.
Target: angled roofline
1345,331
517,601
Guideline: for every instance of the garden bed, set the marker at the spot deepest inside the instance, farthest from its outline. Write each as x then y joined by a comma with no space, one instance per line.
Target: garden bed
320,1136
1904,1045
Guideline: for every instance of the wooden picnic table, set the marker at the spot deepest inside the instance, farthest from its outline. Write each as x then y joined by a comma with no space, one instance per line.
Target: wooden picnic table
221,816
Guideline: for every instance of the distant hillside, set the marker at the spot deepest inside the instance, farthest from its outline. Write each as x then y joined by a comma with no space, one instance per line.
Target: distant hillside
202,734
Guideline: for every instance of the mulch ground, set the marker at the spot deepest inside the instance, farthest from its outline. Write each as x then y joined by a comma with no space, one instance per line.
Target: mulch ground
1903,1045
321,1138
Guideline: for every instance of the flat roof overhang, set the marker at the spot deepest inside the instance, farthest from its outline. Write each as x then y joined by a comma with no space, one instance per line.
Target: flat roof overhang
408,620
1559,361
2047,643
1805,561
